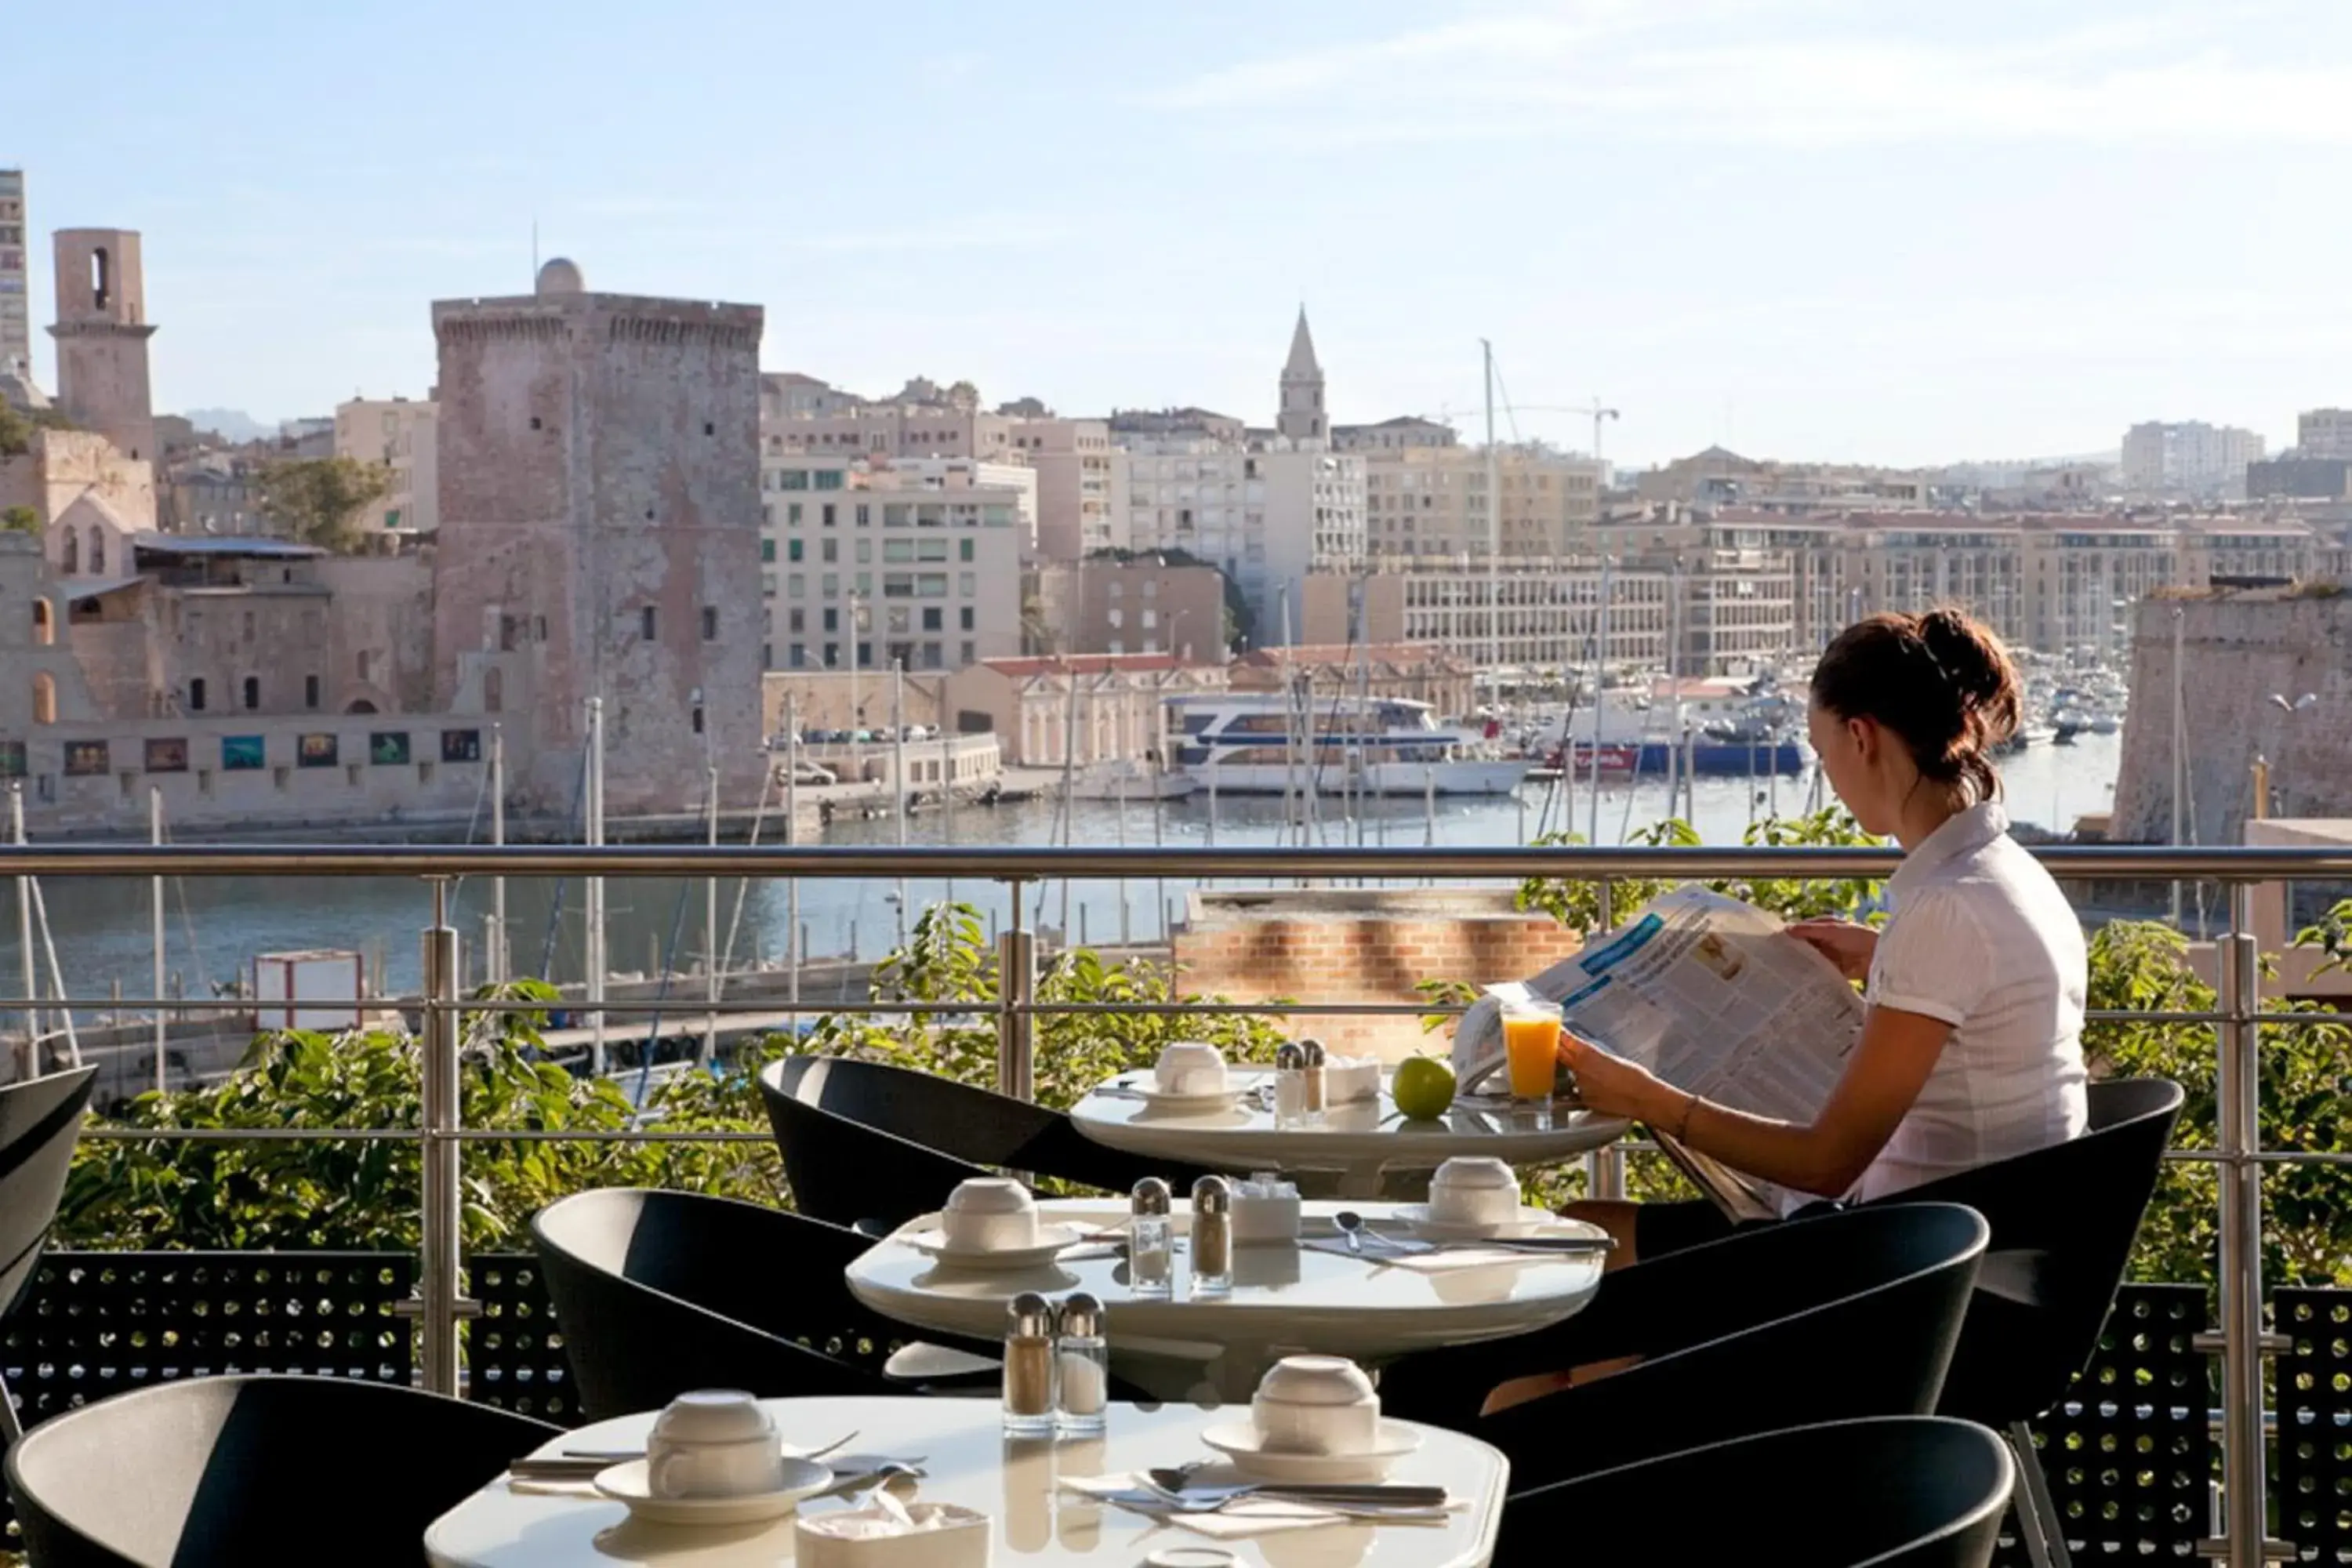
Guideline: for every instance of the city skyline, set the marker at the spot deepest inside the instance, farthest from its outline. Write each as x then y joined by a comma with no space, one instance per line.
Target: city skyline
1806,229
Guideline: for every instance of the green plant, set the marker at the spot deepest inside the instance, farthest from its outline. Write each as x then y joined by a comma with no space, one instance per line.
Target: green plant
1577,903
19,520
317,501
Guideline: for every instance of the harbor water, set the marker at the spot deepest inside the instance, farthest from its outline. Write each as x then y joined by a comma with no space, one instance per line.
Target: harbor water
103,933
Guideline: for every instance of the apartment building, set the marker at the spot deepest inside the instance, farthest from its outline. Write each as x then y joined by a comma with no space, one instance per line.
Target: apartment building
1138,605
1265,511
1549,611
1405,433
2318,432
2188,458
1079,474
16,280
864,563
404,436
1432,500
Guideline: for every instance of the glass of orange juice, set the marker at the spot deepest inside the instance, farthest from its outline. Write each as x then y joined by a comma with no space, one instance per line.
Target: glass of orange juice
1531,1044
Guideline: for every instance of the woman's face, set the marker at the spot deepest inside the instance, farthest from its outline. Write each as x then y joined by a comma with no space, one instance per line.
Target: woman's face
1851,751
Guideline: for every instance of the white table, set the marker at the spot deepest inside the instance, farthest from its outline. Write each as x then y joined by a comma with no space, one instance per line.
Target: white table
1286,1299
1357,1141
970,1463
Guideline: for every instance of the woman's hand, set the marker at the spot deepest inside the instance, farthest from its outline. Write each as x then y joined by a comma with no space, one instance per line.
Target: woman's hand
1610,1085
1849,947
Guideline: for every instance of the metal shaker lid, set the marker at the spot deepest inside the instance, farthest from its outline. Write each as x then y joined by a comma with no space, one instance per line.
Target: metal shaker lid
1212,1195
1081,1316
1151,1197
1031,1315
1288,1058
1312,1050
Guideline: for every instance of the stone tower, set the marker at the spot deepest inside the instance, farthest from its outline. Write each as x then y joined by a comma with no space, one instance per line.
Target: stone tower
102,334
600,536
1303,418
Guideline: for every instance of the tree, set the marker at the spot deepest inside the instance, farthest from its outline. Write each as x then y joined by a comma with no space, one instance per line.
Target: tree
17,425
318,500
20,519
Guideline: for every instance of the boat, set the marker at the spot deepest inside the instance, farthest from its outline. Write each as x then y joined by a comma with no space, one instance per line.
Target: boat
1128,778
1361,746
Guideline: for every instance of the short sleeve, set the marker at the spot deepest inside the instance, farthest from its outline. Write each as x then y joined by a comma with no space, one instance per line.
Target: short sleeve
1933,960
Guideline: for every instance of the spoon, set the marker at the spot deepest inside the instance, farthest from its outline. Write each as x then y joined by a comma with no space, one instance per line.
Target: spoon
1351,1226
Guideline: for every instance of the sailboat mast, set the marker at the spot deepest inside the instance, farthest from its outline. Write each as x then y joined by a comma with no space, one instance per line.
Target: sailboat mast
155,836
30,1064
1494,540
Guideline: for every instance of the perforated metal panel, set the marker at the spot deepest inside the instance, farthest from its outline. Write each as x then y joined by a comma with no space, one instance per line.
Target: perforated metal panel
2128,1454
514,1351
96,1323
2314,1482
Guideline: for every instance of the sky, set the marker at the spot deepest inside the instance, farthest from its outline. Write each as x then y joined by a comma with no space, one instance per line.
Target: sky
1876,230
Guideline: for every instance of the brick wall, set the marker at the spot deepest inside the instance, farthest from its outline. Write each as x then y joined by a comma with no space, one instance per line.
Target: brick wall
1360,945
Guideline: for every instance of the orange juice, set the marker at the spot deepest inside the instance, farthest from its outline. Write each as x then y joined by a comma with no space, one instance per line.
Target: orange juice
1532,1041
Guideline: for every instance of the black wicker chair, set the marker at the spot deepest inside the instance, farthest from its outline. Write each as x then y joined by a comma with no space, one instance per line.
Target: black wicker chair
659,1292
1895,1493
868,1144
39,1121
245,1470
2064,1220
1844,1316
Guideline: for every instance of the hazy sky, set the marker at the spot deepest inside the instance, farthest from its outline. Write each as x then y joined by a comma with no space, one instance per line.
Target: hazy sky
1825,229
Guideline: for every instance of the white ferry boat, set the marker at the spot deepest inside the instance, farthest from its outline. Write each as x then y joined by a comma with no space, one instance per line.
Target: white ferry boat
1255,745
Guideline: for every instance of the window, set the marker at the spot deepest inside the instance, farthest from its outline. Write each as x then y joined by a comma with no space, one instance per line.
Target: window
799,621
97,548
832,656
792,514
832,551
698,720
898,620
72,552
45,631
648,624
865,551
309,691
828,478
797,656
865,515
966,655
931,618
830,515
494,690
964,619
793,480
930,657
768,550
709,623
832,620
963,552
967,584
45,697
252,692
796,586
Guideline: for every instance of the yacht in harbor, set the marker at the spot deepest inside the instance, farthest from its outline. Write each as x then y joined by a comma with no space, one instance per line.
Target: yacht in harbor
1360,746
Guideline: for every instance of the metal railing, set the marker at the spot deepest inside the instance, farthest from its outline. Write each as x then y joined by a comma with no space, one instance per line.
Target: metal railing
2237,1019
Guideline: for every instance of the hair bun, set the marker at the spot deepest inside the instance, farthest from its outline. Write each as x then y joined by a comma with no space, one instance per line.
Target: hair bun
1977,669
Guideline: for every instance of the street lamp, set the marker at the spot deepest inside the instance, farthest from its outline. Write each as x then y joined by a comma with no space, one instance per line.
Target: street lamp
2300,705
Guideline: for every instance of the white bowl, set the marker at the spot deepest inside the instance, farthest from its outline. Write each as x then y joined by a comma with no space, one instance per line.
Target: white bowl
1474,1190
990,1214
1316,1405
1192,1067
713,1415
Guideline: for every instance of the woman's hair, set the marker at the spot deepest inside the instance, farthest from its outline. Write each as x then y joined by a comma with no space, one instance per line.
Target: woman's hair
1941,681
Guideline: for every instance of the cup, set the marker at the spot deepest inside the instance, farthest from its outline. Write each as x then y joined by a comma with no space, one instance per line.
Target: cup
990,1214
713,1443
1191,1067
1474,1189
1316,1405
1531,1045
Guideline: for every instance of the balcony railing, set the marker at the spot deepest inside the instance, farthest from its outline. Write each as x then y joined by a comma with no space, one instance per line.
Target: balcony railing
2238,1022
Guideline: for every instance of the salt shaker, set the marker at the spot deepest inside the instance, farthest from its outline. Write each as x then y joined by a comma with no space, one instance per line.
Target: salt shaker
1213,1237
1029,1366
1082,1367
1311,1077
1289,1084
1150,1240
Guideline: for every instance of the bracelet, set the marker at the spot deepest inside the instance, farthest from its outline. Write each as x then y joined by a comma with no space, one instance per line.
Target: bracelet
1682,1128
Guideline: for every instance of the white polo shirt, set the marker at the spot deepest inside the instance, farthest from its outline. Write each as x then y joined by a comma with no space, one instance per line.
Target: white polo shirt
1981,938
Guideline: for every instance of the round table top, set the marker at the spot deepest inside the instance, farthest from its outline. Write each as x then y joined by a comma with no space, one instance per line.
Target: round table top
970,1462
1364,1136
1285,1296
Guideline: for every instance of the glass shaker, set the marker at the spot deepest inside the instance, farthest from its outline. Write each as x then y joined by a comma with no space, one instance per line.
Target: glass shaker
1150,1240
1083,1367
1311,1079
1029,1366
1289,1084
1213,1237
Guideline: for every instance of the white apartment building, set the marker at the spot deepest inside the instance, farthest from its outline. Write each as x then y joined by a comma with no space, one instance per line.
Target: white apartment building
1079,477
16,279
404,436
2190,459
1549,611
2324,433
1407,430
1432,500
919,562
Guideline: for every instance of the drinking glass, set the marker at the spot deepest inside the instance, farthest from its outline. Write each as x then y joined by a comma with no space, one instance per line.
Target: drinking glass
1531,1044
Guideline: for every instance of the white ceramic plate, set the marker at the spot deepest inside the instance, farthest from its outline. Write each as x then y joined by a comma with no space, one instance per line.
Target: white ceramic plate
1239,1442
628,1484
1051,1240
1157,1099
1531,1221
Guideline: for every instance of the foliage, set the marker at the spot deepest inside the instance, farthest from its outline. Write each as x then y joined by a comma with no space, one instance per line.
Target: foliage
318,500
18,425
19,520
1578,903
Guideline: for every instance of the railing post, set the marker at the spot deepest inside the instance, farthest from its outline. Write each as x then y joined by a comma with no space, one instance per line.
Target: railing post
1604,1168
438,1278
2245,1539
1016,971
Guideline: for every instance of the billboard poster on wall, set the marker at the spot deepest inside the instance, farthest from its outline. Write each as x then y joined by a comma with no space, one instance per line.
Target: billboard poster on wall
170,756
11,760
242,754
317,751
388,748
84,758
461,745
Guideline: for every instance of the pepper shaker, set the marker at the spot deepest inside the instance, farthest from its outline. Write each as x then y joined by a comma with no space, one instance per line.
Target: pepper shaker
1311,1077
1289,1084
1083,1367
1150,1240
1213,1237
1029,1366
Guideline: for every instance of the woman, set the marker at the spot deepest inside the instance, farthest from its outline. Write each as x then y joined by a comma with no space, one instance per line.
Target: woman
1971,1046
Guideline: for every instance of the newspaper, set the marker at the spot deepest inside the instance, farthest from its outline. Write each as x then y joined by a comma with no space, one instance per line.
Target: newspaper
1711,995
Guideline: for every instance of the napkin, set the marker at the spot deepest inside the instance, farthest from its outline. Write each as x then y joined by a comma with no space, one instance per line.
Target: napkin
1441,1261
1350,1079
1238,1520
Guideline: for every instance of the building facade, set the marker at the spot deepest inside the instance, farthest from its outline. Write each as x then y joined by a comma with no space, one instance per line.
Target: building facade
1432,500
1079,474
404,436
917,562
1088,708
101,332
2188,458
16,279
599,536
2324,433
1141,606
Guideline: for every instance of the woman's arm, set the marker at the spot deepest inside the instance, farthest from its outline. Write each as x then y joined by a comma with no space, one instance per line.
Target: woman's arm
1824,1157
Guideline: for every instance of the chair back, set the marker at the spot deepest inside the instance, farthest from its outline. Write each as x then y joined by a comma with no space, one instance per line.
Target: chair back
866,1141
659,1292
39,1121
254,1469
2064,1220
1917,1492
1830,1318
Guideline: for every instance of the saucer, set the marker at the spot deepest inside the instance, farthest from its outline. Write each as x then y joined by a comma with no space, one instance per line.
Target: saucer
1239,1442
1159,1098
1529,1221
628,1484
1051,1240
